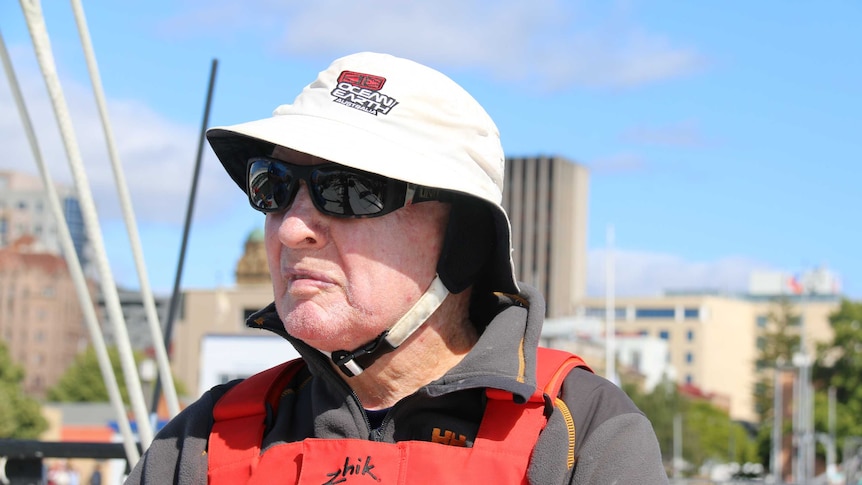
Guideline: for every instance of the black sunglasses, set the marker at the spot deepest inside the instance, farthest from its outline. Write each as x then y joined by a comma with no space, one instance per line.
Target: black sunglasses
335,190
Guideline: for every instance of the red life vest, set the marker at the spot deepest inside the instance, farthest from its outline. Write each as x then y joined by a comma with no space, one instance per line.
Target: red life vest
500,453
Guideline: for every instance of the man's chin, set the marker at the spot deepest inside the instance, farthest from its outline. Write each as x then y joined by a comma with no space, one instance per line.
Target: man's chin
313,328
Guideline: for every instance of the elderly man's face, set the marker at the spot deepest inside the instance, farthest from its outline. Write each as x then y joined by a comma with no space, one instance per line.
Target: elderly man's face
338,283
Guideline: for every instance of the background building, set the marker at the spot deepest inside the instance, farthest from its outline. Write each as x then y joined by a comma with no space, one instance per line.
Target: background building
24,210
135,316
206,314
714,339
546,198
40,316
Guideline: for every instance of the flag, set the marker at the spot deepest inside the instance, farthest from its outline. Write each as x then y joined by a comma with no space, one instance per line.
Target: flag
794,285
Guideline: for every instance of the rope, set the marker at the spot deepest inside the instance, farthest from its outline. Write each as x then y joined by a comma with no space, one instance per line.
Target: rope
39,34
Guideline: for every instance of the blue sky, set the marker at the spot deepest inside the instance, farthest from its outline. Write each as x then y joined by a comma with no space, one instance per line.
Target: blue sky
721,137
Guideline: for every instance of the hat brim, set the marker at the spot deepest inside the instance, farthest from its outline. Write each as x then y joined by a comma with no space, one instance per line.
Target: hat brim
348,145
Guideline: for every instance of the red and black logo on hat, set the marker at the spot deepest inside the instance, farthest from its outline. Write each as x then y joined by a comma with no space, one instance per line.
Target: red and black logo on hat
362,91
374,83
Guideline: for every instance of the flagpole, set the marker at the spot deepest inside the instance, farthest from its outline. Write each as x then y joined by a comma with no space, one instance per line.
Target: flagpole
610,310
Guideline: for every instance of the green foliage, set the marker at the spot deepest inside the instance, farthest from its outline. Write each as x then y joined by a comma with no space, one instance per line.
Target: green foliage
660,406
714,436
708,433
778,342
839,365
20,416
82,381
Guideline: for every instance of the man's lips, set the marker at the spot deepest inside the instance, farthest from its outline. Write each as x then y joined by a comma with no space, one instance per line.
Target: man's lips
303,281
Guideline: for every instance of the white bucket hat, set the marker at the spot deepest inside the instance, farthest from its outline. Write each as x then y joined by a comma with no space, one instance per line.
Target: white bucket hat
393,117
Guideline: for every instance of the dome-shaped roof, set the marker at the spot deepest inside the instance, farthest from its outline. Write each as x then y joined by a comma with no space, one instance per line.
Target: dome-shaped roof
255,236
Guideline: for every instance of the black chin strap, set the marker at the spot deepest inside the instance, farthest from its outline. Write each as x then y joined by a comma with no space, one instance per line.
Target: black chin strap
353,362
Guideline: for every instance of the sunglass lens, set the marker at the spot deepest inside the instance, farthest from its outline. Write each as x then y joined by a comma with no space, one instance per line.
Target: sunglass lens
344,193
268,186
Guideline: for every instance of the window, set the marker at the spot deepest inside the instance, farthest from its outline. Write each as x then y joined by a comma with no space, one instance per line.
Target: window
689,335
762,320
691,313
601,312
655,313
664,335
689,379
761,343
689,358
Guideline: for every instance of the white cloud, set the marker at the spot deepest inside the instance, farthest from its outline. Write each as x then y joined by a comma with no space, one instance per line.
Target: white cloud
682,134
641,273
157,154
547,43
620,163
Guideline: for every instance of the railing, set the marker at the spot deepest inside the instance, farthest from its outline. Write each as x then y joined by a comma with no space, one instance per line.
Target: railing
22,459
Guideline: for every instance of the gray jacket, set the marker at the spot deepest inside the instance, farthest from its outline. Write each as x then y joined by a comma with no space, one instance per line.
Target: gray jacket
615,442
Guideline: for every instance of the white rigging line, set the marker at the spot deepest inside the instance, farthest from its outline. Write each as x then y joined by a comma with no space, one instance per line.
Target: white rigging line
39,34
129,216
75,270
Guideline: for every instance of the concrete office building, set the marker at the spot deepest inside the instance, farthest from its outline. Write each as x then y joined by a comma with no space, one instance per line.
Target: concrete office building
714,339
546,198
24,210
135,316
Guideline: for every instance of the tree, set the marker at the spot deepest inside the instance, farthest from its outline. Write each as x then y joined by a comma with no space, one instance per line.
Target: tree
708,432
712,436
660,406
20,416
777,343
82,381
839,365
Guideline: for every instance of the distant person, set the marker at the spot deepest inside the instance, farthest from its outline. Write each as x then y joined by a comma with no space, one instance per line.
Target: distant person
391,268
60,474
96,476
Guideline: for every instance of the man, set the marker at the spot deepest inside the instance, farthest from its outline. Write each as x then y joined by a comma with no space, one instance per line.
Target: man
390,258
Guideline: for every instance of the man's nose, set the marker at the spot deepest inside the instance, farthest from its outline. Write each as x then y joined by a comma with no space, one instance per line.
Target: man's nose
302,225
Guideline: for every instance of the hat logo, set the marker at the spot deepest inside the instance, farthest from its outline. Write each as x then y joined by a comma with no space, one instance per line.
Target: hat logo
362,91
